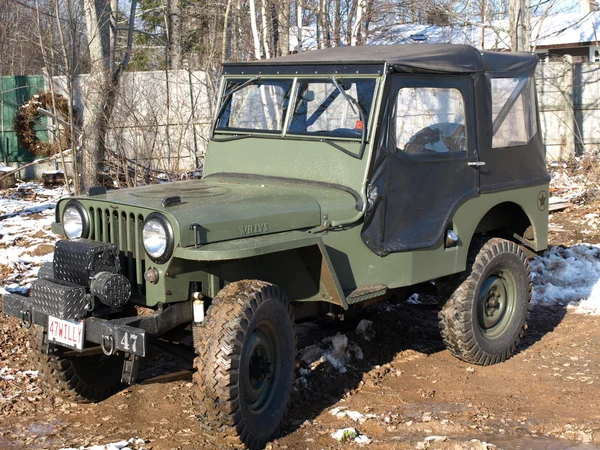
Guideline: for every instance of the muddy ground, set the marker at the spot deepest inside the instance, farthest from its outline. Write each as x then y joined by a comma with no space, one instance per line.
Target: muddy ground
410,392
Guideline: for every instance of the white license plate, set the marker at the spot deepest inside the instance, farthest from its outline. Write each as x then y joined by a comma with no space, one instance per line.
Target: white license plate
66,332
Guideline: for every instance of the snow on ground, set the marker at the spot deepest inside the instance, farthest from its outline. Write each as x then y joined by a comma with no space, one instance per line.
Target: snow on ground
568,277
350,435
130,444
26,214
336,350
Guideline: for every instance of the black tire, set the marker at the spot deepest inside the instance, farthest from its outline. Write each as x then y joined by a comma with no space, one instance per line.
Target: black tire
246,350
87,378
487,314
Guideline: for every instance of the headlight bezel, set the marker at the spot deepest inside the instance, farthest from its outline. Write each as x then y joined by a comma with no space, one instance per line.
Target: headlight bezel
85,219
166,225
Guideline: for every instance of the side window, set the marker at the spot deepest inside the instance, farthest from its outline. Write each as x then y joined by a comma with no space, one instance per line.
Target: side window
430,120
514,120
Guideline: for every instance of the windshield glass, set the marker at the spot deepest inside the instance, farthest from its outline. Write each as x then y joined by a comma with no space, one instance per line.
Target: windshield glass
323,110
259,106
320,108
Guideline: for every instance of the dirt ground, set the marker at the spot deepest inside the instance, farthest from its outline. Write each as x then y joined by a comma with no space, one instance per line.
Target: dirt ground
410,392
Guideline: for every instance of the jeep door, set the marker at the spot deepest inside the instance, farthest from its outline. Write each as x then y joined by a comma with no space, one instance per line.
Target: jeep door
421,172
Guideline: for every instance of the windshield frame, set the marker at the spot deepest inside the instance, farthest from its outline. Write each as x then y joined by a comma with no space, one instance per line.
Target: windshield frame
232,134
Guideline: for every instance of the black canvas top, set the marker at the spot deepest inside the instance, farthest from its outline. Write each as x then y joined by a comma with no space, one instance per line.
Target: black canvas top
429,58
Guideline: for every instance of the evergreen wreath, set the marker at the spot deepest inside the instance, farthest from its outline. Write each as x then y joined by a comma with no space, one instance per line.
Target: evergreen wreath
29,113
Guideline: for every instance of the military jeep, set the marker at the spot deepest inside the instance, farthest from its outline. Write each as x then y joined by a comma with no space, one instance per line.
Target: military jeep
333,178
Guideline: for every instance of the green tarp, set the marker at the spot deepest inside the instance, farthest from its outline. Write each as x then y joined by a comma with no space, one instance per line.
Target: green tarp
15,91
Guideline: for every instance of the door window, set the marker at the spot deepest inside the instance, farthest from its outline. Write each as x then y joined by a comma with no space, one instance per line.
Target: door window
430,120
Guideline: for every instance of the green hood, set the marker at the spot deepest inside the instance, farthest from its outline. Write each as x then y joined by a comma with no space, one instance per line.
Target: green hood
225,208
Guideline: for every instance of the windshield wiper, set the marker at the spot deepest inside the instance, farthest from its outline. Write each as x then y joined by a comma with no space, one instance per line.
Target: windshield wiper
231,91
229,137
353,102
234,89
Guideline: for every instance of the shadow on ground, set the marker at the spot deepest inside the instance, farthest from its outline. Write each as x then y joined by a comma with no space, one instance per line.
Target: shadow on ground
398,326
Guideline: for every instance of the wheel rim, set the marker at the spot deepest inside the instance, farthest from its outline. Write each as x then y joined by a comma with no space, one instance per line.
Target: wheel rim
496,303
261,362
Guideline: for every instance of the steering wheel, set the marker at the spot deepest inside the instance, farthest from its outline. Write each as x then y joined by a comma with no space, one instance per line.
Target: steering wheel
441,137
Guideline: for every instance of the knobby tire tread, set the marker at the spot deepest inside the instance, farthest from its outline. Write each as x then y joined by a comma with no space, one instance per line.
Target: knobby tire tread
58,374
220,339
456,318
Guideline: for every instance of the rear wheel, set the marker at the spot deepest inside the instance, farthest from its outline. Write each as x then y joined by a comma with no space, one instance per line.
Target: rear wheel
246,357
486,316
89,378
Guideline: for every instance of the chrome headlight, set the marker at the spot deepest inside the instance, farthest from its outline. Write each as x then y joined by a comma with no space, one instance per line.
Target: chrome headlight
75,220
157,237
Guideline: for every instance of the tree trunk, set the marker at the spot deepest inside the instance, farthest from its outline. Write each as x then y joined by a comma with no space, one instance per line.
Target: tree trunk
337,28
483,13
355,36
265,28
114,10
299,15
255,36
351,16
174,35
518,11
226,41
95,121
283,13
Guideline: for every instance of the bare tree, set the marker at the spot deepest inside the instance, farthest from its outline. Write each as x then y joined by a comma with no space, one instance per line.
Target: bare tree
102,85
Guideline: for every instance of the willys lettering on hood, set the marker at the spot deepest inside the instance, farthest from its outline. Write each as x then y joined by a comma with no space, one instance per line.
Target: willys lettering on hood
212,211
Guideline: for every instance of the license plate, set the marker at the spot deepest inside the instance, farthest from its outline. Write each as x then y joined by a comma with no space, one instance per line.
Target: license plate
66,332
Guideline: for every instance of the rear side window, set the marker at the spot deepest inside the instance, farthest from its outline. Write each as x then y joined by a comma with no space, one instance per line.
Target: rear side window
430,120
514,120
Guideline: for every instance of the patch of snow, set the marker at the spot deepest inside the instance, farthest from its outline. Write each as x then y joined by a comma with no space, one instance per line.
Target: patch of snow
436,438
21,234
14,288
365,329
569,277
341,411
362,439
133,443
8,374
350,434
337,350
413,299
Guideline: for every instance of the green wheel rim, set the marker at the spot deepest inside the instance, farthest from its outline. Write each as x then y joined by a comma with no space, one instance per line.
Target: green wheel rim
496,303
261,357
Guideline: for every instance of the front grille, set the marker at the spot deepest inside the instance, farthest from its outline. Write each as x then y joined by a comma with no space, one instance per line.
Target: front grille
124,230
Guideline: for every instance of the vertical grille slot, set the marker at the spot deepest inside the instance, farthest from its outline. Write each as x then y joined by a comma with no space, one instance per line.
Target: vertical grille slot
124,230
139,250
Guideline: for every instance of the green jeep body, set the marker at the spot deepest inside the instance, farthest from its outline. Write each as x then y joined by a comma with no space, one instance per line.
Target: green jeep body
338,217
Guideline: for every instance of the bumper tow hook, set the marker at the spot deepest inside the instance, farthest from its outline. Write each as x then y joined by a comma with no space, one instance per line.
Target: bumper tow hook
108,351
26,320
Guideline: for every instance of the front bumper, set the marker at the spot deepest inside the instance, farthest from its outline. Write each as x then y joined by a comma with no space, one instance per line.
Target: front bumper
123,334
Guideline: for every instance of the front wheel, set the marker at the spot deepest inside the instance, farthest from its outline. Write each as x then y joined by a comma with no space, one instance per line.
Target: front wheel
487,314
88,378
246,357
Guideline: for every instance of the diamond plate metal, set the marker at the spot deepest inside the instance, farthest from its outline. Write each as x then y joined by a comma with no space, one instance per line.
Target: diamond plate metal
59,300
77,260
112,289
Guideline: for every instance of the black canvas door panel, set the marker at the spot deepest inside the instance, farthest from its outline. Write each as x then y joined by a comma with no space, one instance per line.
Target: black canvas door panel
418,183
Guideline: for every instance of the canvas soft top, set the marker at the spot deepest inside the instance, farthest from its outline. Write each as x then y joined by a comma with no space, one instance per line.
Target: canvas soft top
408,58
